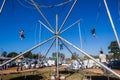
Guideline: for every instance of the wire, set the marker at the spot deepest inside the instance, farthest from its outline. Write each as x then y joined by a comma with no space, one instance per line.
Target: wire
98,12
35,33
119,9
19,1
15,12
56,5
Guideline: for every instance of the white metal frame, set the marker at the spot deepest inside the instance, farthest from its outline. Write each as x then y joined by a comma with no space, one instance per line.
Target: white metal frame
57,32
1,8
112,24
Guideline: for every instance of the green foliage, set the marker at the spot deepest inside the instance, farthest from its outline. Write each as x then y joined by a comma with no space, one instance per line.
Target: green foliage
113,48
4,53
28,55
74,56
34,56
12,54
61,55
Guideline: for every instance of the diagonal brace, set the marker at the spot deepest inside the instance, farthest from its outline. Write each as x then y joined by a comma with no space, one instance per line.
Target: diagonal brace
113,72
42,14
34,47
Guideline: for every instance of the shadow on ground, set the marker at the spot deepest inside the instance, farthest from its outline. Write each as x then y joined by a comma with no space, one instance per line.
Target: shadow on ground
30,77
101,78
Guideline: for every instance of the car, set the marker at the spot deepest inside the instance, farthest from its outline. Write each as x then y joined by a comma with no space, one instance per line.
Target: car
114,64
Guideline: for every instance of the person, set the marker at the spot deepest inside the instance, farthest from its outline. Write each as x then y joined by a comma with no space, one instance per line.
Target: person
19,62
22,34
93,32
103,60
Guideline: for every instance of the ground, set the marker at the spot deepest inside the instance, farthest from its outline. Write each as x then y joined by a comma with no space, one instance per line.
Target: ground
47,72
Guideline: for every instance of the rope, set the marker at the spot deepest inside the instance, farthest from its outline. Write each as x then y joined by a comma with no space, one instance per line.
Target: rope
35,33
15,12
119,9
56,5
19,1
39,36
93,30
98,12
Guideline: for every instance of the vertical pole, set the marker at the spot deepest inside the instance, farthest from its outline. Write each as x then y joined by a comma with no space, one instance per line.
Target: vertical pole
57,54
56,23
112,24
80,35
39,53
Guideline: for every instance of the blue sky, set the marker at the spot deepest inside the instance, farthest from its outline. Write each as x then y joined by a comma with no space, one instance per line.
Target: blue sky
18,14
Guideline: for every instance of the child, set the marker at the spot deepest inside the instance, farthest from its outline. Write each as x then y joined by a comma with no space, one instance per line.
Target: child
93,32
22,34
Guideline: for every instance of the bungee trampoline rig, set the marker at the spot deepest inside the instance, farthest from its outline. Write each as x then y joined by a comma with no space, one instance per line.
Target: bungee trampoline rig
56,38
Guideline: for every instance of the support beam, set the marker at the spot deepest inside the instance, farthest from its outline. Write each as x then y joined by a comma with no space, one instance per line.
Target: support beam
34,47
2,6
56,23
67,15
113,72
70,26
42,14
57,55
48,50
70,52
45,26
80,35
112,24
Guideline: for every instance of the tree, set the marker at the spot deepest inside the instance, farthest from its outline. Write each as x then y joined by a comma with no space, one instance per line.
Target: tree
12,54
28,55
34,56
113,48
74,56
4,54
61,56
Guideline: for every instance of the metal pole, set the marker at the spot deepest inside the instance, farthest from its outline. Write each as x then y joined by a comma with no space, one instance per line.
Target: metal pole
42,15
2,6
67,15
45,26
39,53
80,35
70,26
57,56
48,50
112,24
116,74
34,47
56,23
70,52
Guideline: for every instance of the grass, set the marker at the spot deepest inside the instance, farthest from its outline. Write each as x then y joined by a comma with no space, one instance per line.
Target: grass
44,74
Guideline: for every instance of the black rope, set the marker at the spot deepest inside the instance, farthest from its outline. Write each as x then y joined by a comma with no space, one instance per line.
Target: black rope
119,9
93,31
98,13
15,12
